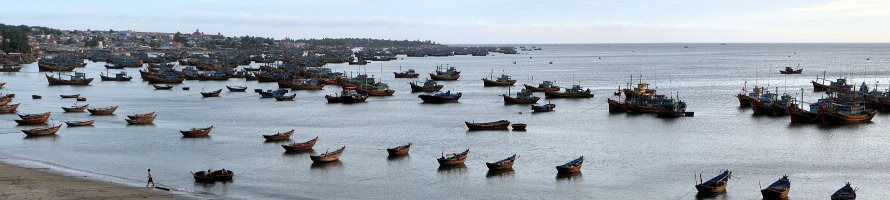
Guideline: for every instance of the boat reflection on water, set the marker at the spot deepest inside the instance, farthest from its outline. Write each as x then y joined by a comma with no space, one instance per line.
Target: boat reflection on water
52,138
306,153
334,165
568,176
452,169
499,173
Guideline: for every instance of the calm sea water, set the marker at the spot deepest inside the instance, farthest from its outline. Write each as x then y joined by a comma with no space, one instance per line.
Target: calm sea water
628,156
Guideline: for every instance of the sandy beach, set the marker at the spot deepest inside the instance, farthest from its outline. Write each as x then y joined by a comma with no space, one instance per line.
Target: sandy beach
24,183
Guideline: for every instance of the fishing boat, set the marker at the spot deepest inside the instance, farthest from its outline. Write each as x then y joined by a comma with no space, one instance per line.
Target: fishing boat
845,113
819,86
203,176
41,66
211,93
410,73
69,96
617,106
78,78
236,88
162,87
286,97
9,108
452,159
519,127
328,156
348,95
197,132
307,84
670,107
10,68
31,119
778,190
450,74
715,185
502,165
571,167
789,70
102,111
80,123
575,92
168,78
36,97
303,146
279,136
146,115
376,89
272,93
75,108
113,66
845,193
543,108
524,96
503,80
399,150
495,125
800,115
427,86
543,87
42,131
745,97
5,100
440,97
121,76
141,120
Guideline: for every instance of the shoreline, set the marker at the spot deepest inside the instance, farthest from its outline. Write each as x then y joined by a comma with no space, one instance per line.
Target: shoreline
20,180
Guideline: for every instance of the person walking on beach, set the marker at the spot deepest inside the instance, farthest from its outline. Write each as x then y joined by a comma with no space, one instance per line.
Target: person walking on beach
150,181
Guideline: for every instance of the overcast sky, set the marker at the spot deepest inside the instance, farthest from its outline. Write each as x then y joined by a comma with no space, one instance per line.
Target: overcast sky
479,21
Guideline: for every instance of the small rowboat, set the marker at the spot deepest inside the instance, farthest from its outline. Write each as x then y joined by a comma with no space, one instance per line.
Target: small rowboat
211,94
236,88
304,146
502,165
328,156
519,127
543,108
223,175
203,176
9,108
845,193
162,87
76,108
141,120
279,136
36,97
496,125
42,131
197,132
69,96
286,97
102,111
137,116
715,185
778,190
452,159
80,123
399,150
30,119
571,167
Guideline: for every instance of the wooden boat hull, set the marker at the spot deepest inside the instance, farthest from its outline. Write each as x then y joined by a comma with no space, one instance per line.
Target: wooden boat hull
769,194
799,71
9,108
543,108
744,100
42,131
452,162
5,100
801,116
108,78
102,111
568,170
75,108
373,92
540,89
218,175
211,94
436,99
307,87
519,127
305,146
56,81
444,77
616,107
236,89
345,99
155,79
832,117
491,83
11,69
204,132
279,136
554,95
162,87
420,88
633,108
502,165
508,100
398,151
32,121
818,87
328,157
43,67
406,75
80,123
702,189
498,125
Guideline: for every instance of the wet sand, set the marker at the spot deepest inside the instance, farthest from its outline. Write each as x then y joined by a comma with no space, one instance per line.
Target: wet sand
25,183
